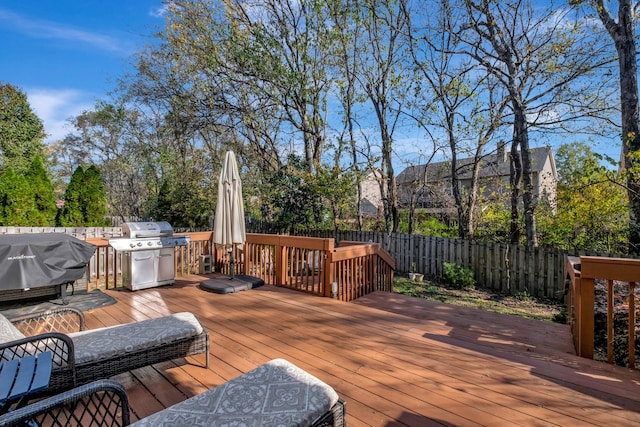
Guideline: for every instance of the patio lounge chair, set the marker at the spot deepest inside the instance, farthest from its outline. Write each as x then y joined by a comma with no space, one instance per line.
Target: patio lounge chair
81,356
276,393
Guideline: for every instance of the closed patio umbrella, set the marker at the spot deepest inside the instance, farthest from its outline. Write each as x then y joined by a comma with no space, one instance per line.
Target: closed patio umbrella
228,229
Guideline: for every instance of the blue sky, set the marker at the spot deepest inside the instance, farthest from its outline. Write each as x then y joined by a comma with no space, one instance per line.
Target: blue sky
66,54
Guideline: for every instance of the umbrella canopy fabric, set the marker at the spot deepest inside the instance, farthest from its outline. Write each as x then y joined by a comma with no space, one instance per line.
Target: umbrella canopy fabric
228,227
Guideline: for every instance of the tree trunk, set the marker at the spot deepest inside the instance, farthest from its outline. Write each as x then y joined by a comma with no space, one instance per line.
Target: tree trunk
393,200
473,197
514,180
623,35
412,211
392,219
521,135
626,48
463,223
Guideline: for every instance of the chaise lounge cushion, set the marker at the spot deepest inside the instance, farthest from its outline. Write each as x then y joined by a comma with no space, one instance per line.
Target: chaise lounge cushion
277,393
8,332
105,343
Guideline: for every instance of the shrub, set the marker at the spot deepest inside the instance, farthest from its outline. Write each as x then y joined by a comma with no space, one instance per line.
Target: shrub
523,295
458,276
562,316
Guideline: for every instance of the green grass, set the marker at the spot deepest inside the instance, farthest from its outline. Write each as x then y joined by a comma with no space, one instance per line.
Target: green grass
520,304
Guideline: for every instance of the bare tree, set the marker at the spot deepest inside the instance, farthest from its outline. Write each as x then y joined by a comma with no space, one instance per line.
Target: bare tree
383,77
345,62
537,56
281,51
623,32
459,100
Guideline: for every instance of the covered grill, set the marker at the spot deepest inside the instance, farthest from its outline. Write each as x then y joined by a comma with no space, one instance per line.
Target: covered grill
147,253
42,259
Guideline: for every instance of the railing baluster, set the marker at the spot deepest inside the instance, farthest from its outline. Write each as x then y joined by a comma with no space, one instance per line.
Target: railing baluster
632,325
610,321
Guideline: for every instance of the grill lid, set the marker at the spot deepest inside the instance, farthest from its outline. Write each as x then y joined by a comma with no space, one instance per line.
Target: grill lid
140,230
126,244
138,236
42,259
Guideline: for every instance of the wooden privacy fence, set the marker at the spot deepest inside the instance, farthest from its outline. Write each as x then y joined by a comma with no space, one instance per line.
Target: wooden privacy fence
506,268
601,307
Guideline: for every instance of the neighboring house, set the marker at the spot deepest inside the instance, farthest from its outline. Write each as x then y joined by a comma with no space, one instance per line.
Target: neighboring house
371,200
430,184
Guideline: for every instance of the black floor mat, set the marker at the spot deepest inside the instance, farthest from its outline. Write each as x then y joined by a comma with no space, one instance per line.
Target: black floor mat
82,301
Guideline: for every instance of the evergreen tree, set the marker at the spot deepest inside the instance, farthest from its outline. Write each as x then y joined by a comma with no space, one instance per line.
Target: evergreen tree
162,208
85,200
94,199
293,192
181,204
45,210
16,199
21,131
71,214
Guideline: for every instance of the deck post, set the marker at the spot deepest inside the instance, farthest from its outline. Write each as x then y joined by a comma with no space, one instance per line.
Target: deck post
329,246
368,280
585,316
245,259
281,263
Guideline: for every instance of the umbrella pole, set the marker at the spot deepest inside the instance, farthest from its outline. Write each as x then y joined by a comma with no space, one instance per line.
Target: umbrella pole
231,263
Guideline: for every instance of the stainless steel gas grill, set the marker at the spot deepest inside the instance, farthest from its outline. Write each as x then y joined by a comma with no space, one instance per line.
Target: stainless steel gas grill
148,253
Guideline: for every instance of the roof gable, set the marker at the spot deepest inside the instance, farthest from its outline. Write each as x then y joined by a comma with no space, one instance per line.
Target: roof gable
490,166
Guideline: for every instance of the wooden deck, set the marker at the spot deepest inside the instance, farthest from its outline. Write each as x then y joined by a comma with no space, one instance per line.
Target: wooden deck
394,360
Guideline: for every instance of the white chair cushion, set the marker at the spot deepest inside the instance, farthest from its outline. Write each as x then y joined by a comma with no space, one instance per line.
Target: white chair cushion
104,343
8,332
277,393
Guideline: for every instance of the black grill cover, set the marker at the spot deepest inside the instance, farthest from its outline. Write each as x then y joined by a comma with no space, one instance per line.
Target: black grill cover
42,259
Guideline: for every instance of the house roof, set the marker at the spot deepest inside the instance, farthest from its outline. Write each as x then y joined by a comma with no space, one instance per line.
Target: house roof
491,166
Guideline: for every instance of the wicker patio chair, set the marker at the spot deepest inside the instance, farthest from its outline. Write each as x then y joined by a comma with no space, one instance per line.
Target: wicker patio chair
104,403
81,356
101,403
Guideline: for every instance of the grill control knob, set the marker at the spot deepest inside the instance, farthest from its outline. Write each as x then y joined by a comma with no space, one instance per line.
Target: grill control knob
150,244
133,245
139,244
159,243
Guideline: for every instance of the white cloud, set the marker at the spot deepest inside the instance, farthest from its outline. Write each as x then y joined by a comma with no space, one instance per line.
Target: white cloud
44,29
159,12
56,107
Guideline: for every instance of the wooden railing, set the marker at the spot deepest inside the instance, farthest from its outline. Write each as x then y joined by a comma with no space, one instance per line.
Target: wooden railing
361,268
307,264
592,282
105,266
314,265
510,269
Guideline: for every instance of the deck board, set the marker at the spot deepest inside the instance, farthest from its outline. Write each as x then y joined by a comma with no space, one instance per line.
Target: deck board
395,360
